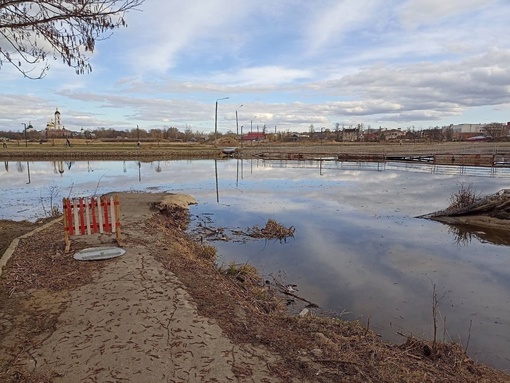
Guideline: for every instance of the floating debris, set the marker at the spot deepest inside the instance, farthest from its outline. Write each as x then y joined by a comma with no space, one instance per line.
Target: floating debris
272,230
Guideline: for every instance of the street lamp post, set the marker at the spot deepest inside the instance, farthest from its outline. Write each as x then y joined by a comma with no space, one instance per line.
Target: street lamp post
251,124
237,121
216,118
25,132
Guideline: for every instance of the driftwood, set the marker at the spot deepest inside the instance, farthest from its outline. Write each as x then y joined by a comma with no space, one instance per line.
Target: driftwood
495,205
289,290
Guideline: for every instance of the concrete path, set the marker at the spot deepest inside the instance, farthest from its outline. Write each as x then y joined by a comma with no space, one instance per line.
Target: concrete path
137,323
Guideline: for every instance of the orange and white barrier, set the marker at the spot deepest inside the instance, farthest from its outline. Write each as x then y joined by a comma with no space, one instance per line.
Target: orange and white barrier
86,216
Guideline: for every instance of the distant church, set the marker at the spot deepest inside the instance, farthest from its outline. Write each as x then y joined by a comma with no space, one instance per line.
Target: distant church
54,128
55,124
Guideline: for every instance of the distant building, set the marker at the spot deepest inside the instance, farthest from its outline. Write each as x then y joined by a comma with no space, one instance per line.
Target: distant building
351,134
254,136
55,124
393,134
54,127
462,132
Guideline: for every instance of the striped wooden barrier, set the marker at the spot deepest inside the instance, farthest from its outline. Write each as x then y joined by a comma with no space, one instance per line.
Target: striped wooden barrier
86,216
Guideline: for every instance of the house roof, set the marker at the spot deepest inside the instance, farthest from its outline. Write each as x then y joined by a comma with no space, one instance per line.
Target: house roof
254,136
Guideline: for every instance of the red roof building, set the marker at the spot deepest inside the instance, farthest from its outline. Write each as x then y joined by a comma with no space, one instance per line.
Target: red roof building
254,136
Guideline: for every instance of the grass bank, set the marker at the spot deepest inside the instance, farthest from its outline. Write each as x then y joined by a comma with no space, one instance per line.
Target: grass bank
89,150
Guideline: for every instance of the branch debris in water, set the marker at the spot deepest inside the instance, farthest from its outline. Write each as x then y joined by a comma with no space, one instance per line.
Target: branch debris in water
272,230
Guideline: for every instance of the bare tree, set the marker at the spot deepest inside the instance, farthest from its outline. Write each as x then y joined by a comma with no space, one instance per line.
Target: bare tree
448,132
495,129
32,32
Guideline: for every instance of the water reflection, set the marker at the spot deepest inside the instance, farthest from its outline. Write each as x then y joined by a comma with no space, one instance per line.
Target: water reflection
216,181
60,166
464,234
356,246
28,172
493,172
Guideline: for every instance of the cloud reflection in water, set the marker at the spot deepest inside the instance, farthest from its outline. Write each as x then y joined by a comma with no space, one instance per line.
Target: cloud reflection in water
357,246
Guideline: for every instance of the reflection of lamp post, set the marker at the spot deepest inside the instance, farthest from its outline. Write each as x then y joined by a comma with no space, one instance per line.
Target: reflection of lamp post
28,170
216,118
237,121
216,178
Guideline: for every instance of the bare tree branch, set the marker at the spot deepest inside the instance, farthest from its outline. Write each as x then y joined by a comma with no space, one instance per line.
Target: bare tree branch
32,32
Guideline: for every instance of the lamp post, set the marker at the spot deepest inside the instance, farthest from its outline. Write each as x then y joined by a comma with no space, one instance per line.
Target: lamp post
25,132
216,118
237,121
251,124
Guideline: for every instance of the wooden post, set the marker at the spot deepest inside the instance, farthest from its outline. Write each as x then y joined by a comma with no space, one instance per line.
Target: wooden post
67,211
117,219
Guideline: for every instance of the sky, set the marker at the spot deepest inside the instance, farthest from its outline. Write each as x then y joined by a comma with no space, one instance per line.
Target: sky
285,64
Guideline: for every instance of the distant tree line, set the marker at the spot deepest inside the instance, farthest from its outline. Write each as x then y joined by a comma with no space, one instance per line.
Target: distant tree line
358,133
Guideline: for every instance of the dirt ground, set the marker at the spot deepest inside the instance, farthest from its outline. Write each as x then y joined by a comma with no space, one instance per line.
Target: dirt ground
13,229
164,312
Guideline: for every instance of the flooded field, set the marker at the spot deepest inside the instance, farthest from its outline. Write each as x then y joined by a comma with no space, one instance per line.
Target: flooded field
357,251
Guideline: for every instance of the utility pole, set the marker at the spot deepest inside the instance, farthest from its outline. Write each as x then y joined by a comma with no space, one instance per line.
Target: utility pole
216,119
237,121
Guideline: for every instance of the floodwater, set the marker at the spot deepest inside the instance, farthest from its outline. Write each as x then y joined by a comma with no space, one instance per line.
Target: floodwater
358,252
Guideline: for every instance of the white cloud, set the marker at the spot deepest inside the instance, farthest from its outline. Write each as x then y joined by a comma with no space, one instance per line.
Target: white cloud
426,91
169,29
414,13
266,75
331,23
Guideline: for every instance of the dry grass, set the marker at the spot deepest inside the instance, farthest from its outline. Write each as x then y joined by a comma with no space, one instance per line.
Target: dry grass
44,265
33,292
9,230
83,149
463,198
272,230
